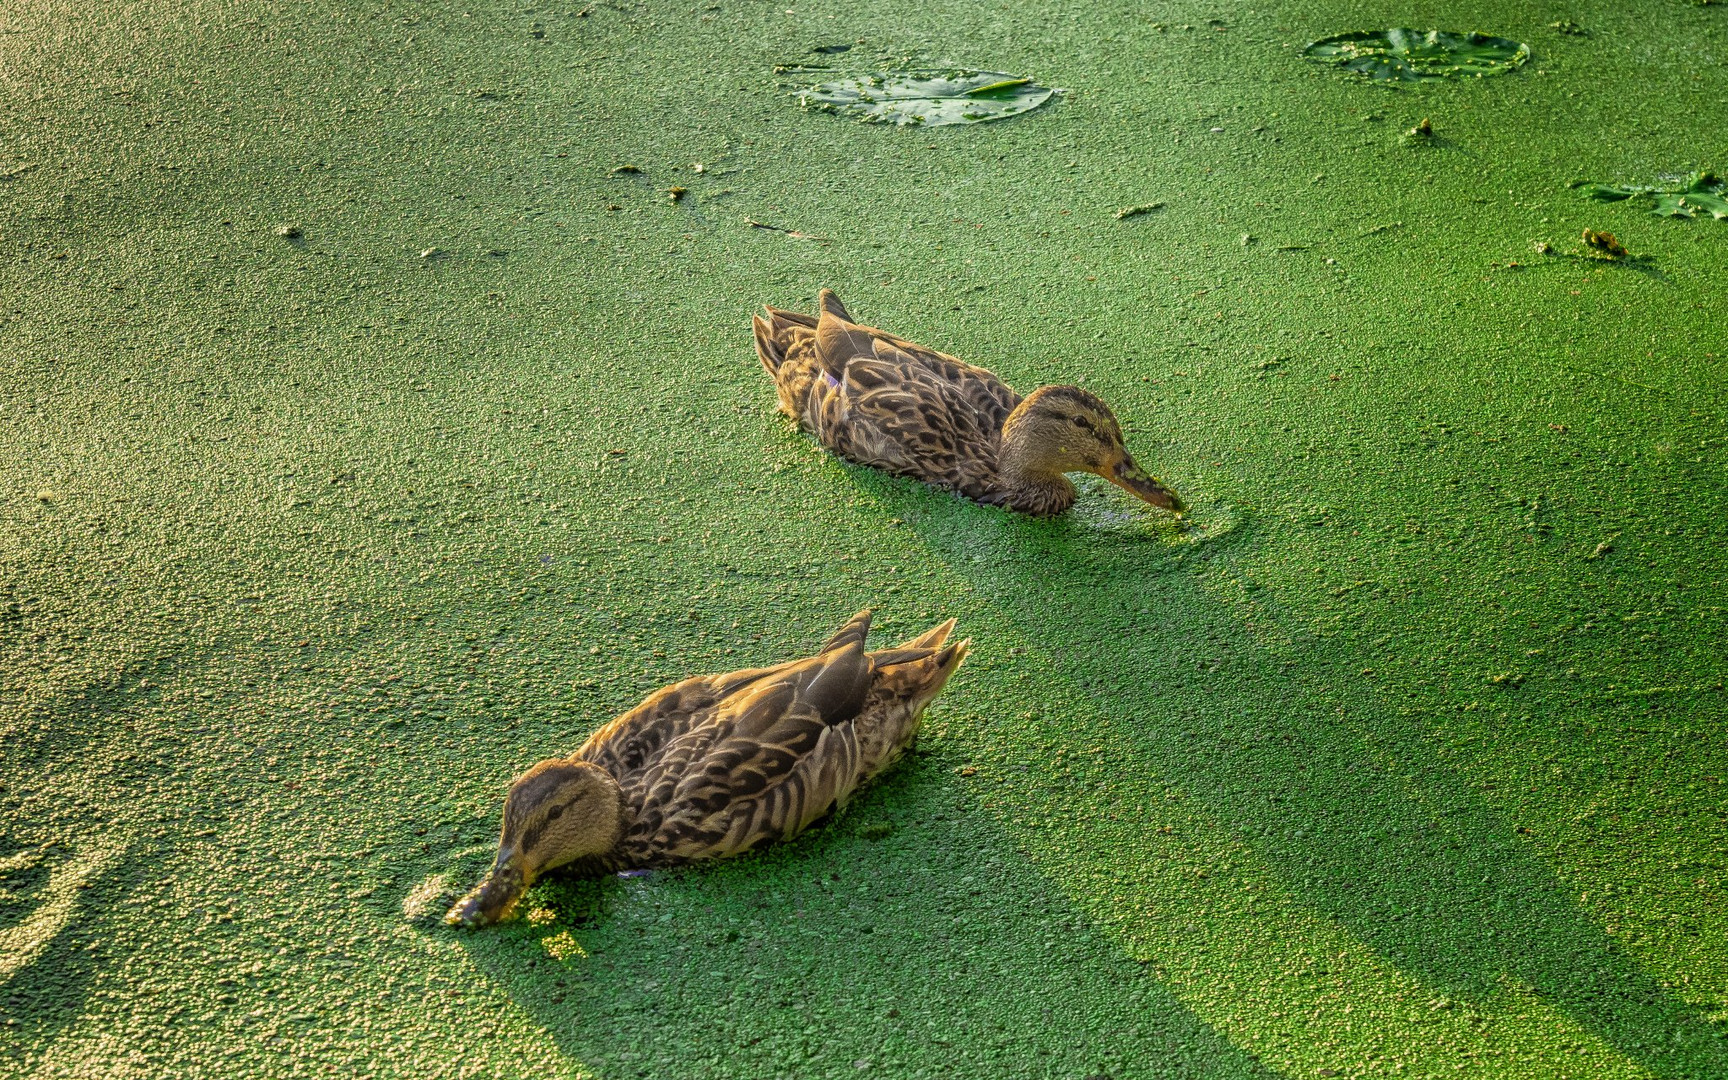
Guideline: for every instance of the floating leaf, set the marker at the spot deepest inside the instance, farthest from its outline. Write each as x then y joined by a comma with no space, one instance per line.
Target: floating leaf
929,98
1670,196
1401,55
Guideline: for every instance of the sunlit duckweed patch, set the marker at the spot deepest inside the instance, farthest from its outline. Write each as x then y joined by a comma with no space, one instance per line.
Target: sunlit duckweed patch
563,946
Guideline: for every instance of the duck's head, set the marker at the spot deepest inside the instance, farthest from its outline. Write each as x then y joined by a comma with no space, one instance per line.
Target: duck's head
1061,429
558,812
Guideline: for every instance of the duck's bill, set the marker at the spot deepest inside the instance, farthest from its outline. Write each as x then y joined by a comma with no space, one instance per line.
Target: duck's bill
490,901
1138,482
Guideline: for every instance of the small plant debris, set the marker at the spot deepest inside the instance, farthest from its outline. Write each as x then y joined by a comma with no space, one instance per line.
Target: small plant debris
624,170
928,98
1420,135
676,193
1670,196
790,234
1136,211
563,946
289,232
1569,28
1402,55
1604,244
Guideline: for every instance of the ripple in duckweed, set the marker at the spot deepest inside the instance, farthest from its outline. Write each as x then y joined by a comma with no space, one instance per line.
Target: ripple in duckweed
1400,55
928,98
1670,196
1108,510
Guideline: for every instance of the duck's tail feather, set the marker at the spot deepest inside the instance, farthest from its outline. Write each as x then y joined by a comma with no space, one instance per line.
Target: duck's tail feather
924,677
780,320
774,334
887,658
931,638
838,338
857,628
839,684
950,657
768,350
930,658
829,304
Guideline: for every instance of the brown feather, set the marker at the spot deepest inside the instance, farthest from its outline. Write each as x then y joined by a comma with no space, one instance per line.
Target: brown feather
883,401
718,765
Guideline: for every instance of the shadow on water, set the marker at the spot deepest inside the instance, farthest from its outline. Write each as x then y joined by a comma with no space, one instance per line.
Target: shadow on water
846,951
1334,788
49,957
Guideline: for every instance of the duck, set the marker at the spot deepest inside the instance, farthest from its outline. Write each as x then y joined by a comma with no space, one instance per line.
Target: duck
716,765
880,400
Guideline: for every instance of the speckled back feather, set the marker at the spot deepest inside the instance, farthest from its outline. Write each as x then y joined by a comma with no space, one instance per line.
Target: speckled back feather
883,401
718,765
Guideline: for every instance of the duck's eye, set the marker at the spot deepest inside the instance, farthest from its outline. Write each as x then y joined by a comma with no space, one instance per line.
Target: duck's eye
1081,421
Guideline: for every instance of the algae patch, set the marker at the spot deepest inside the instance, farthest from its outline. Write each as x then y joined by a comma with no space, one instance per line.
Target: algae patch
927,98
1670,196
1401,55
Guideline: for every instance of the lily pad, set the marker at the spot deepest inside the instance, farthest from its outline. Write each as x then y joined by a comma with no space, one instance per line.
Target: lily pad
1400,55
1670,196
928,98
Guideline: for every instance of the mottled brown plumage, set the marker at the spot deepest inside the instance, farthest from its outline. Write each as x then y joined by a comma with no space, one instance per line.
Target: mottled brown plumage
717,765
881,400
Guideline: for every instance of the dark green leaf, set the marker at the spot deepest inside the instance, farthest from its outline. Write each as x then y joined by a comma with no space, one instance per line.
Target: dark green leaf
1670,196
1403,55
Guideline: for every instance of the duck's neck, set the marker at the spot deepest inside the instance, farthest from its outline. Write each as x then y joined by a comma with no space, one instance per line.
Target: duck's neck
1032,482
621,818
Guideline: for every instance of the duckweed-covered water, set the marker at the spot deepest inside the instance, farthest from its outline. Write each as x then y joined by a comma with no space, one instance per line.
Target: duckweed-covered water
368,439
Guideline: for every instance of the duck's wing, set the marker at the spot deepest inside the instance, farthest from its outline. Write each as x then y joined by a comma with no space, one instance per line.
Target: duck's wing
855,629
630,743
894,413
627,745
839,340
773,758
